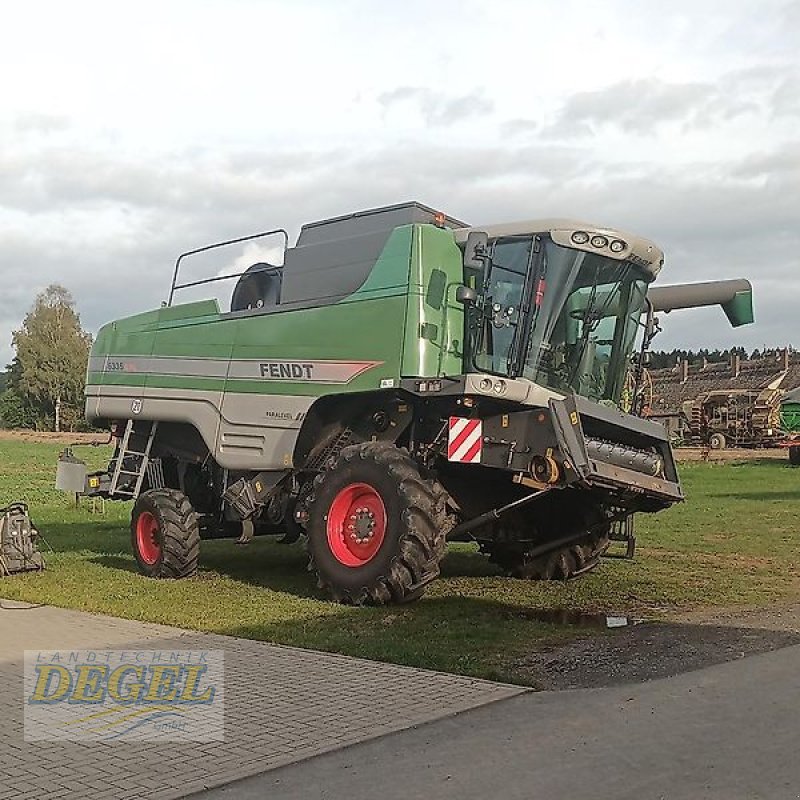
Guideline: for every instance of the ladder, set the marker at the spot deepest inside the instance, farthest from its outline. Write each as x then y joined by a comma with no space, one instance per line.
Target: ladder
141,458
696,422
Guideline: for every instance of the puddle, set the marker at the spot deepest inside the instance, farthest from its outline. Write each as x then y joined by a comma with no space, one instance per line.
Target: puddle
581,619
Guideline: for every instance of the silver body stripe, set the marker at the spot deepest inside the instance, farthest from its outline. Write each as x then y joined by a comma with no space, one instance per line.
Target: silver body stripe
278,369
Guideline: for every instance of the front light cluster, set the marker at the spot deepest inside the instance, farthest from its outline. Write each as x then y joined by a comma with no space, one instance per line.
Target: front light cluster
599,241
489,386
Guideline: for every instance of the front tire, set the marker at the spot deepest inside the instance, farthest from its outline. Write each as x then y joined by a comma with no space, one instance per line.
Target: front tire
165,534
794,455
376,528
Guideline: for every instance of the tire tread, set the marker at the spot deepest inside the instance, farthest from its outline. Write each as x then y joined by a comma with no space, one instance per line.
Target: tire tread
422,542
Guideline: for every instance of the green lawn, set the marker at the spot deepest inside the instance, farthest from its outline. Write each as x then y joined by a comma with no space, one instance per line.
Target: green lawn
735,541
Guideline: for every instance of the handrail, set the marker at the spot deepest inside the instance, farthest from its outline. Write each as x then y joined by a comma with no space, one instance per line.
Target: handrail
175,286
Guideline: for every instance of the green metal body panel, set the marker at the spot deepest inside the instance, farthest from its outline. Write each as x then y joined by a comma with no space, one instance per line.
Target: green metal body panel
403,320
434,329
396,319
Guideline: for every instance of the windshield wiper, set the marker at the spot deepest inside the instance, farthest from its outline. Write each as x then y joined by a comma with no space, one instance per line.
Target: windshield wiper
525,317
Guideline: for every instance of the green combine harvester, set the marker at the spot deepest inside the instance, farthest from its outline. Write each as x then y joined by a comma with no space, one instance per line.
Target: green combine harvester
401,380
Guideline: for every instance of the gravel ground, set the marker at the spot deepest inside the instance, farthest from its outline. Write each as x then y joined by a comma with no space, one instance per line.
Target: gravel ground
648,650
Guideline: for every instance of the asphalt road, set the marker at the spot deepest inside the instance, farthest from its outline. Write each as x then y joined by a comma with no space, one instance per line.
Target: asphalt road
728,731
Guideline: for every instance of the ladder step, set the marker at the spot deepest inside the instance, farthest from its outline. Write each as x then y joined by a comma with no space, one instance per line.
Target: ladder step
138,473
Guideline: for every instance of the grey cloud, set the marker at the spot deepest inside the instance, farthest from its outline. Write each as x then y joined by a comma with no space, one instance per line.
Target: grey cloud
790,16
54,179
713,220
520,127
638,106
634,106
779,165
786,98
438,108
37,122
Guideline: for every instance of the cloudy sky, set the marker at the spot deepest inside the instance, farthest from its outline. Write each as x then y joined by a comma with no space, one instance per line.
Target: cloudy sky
130,132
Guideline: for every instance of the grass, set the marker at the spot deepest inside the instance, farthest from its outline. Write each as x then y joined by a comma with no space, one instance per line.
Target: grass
735,541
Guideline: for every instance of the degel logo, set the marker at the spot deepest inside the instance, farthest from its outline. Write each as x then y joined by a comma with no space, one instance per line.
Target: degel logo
166,695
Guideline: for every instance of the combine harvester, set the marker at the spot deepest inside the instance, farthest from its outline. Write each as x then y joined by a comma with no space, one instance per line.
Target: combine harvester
401,380
737,417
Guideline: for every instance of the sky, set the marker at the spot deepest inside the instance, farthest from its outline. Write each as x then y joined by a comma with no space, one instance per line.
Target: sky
132,132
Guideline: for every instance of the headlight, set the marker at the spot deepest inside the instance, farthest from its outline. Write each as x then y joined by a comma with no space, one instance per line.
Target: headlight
499,387
599,241
617,246
580,237
485,385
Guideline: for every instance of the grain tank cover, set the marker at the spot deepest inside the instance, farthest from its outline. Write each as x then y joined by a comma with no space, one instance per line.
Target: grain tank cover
333,257
374,220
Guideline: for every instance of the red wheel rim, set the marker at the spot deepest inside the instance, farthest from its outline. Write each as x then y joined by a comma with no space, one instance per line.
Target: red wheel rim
356,525
147,541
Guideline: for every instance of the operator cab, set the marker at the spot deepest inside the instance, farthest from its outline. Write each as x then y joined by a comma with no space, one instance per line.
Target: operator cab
559,303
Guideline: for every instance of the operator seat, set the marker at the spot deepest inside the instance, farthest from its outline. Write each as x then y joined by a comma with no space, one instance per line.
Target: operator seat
258,287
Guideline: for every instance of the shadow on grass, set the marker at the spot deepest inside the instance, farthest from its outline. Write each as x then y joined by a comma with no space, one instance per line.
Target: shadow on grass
282,567
269,564
464,635
116,562
265,568
101,535
487,638
774,463
759,494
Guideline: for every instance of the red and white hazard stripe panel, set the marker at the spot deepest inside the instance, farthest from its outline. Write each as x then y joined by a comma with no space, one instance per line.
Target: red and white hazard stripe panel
465,440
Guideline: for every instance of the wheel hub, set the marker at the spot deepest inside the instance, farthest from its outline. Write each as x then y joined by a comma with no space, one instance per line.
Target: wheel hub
148,542
356,524
362,525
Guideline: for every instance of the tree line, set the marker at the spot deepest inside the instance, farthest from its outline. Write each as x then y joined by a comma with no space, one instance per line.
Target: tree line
665,359
42,387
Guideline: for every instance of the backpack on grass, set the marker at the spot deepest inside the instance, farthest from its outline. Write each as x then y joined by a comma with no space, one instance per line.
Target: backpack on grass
19,550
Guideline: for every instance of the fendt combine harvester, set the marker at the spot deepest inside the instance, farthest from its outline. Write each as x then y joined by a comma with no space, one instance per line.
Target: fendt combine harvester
400,381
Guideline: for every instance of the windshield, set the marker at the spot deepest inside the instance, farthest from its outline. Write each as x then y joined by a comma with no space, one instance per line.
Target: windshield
580,310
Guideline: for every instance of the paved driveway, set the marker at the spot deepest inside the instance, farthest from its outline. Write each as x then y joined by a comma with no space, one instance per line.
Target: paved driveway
282,704
727,732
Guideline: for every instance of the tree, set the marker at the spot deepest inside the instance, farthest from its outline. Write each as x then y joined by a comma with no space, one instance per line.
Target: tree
52,349
15,410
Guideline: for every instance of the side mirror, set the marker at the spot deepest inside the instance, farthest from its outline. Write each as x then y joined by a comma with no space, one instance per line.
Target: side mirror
653,328
476,250
466,295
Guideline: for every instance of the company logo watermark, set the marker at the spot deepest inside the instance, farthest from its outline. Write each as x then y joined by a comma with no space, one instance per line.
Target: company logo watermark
124,695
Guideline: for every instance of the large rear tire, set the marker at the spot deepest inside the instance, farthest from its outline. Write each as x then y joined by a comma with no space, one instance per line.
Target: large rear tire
376,528
563,564
165,534
794,455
